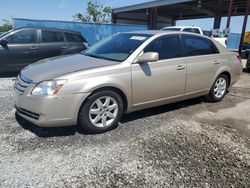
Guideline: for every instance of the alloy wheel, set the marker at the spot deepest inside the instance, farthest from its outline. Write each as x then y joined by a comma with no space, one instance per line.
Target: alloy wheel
103,111
220,87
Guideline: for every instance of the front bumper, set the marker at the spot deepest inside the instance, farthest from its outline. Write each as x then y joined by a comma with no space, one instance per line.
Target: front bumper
49,111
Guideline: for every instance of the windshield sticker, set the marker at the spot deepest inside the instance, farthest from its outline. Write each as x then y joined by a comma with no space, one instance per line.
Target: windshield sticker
138,38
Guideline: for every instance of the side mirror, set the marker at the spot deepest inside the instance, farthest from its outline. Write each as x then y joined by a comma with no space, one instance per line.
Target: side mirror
3,42
147,57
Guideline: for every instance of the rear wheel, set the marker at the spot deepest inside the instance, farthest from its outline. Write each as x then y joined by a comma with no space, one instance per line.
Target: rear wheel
101,112
219,88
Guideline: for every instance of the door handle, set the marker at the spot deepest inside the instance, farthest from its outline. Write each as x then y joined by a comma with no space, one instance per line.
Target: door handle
216,62
64,46
33,47
180,67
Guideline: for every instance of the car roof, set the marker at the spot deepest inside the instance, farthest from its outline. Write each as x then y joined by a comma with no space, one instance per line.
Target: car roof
48,28
165,32
182,27
153,32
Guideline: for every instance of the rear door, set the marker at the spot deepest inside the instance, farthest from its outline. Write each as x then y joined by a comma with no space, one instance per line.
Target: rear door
75,43
21,50
203,61
52,43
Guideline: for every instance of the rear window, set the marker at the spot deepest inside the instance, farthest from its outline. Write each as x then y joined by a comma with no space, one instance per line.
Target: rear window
195,45
52,36
192,30
74,37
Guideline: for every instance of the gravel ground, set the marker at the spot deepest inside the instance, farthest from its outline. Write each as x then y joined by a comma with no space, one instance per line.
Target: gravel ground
188,144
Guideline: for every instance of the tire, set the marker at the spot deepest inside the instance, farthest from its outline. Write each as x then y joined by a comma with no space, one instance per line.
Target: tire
219,88
101,112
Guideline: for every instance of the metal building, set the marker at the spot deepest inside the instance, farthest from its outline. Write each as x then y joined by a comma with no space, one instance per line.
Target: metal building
159,13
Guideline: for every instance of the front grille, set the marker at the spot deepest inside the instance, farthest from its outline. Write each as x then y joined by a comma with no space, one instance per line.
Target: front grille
27,113
21,84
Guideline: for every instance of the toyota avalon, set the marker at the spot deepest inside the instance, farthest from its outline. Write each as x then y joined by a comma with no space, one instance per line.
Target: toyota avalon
123,73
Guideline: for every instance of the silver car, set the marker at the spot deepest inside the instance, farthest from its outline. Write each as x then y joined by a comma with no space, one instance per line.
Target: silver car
124,73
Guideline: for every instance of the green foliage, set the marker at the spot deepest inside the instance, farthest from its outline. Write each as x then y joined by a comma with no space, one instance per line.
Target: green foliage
95,13
5,27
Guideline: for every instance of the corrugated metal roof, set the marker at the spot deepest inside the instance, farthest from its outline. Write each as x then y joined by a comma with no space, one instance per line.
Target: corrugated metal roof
156,3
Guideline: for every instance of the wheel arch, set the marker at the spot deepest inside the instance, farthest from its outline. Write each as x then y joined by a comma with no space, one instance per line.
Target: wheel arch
228,75
224,71
110,88
115,89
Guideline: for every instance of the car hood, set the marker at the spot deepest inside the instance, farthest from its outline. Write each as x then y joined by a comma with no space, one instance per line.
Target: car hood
52,67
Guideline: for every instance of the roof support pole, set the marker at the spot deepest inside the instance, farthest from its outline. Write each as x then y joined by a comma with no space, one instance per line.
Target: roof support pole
229,13
155,18
113,17
217,19
150,18
244,25
173,21
152,24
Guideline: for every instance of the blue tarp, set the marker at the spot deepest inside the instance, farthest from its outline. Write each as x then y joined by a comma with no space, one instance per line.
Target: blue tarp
91,32
233,41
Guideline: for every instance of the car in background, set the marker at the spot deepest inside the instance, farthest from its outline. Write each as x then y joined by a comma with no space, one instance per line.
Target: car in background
197,30
246,44
248,64
122,73
23,46
191,29
1,33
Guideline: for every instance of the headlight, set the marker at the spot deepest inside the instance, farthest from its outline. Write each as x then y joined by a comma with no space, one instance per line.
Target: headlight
48,87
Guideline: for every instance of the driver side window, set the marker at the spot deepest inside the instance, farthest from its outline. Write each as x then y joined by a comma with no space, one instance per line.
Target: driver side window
167,47
23,37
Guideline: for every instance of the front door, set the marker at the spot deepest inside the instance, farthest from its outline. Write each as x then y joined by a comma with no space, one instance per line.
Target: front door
21,50
154,82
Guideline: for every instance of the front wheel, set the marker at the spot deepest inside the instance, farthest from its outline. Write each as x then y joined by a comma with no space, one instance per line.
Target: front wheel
101,112
219,89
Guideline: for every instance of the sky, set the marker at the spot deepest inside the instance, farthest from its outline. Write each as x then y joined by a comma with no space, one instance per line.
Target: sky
64,9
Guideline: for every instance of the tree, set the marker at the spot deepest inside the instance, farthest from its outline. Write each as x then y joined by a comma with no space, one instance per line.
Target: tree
5,27
95,13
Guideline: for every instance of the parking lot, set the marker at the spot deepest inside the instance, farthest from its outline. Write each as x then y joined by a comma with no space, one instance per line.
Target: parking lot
188,144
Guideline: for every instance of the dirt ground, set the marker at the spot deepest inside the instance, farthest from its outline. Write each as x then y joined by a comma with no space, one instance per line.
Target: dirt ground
187,144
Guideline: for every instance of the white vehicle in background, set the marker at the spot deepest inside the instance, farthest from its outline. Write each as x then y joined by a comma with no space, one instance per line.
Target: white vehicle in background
191,29
198,30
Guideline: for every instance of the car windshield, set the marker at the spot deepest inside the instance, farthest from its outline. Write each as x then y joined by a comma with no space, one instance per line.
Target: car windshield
171,29
117,47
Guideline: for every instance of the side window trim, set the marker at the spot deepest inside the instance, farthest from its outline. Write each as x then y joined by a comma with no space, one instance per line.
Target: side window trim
64,37
39,36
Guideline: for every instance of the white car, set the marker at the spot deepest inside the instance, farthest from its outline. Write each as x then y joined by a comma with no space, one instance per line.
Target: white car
195,29
192,29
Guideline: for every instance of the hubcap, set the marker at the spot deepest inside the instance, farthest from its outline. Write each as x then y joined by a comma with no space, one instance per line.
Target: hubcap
220,87
103,111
